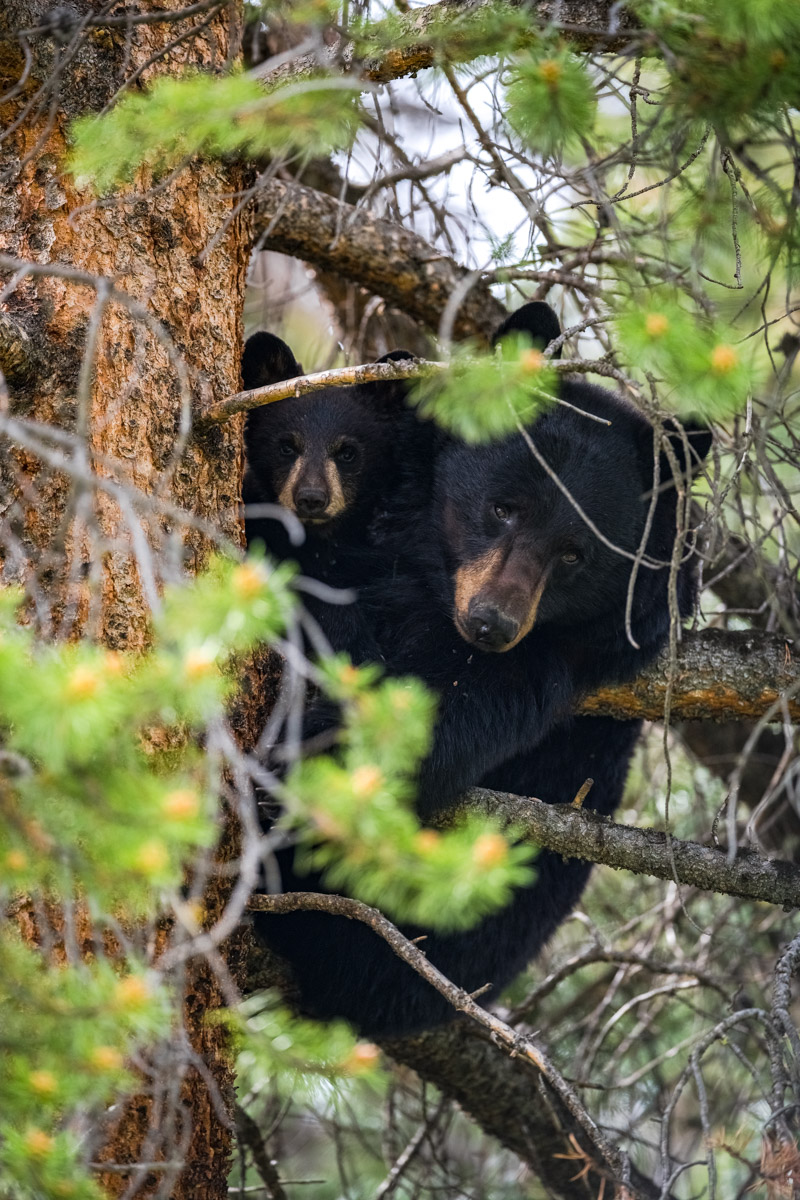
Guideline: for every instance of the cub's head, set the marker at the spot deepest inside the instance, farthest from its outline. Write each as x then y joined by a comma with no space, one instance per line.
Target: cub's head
542,528
323,456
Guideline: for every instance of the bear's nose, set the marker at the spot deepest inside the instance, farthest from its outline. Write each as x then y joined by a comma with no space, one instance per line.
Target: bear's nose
490,628
310,502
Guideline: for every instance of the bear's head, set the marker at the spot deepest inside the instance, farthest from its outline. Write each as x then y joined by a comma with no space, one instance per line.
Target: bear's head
544,527
322,456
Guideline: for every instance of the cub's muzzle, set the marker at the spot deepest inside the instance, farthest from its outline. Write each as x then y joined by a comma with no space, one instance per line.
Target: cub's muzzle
310,502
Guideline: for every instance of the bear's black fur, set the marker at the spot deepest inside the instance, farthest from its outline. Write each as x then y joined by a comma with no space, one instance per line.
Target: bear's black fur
330,459
507,596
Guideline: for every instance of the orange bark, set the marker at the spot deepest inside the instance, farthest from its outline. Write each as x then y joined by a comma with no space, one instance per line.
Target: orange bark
179,250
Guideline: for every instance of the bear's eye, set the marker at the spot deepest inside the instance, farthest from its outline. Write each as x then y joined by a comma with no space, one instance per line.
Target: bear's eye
287,448
346,453
502,512
571,557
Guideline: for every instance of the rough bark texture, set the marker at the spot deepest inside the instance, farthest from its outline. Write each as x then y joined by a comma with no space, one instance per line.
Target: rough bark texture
148,245
588,25
505,1098
718,676
391,262
17,350
576,833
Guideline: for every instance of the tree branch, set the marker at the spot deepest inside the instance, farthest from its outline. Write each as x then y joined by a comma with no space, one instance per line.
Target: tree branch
719,676
606,1159
496,1092
379,372
417,39
380,255
588,24
382,372
250,1135
580,833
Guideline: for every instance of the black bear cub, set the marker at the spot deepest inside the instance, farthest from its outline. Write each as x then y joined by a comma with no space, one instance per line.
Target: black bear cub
330,459
507,595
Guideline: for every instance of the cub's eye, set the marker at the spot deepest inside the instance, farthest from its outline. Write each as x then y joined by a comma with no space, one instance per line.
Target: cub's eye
571,557
287,448
502,512
346,453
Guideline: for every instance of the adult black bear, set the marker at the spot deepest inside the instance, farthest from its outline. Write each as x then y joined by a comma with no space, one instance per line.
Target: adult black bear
331,459
507,595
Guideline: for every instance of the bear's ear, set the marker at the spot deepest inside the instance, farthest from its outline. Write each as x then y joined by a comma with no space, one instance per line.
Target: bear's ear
397,356
537,320
690,442
267,360
389,397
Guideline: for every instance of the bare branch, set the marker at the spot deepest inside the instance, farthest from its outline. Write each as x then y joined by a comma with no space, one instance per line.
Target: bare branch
251,1136
390,261
495,1091
304,384
581,833
125,21
607,1157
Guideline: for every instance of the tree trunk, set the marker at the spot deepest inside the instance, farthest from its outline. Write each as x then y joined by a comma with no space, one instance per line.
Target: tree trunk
120,375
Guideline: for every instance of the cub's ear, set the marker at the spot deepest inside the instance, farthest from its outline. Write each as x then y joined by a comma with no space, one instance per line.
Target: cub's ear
537,320
690,442
389,397
266,359
397,356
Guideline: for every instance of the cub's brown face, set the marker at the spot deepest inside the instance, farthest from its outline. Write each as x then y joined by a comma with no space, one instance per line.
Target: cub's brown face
327,456
323,457
315,480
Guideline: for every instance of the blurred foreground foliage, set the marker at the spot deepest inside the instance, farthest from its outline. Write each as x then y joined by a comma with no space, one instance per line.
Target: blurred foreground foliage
107,800
180,118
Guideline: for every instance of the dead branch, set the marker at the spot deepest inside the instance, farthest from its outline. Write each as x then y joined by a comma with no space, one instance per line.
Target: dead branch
581,833
251,1136
384,372
495,1091
390,261
304,384
124,21
607,1159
